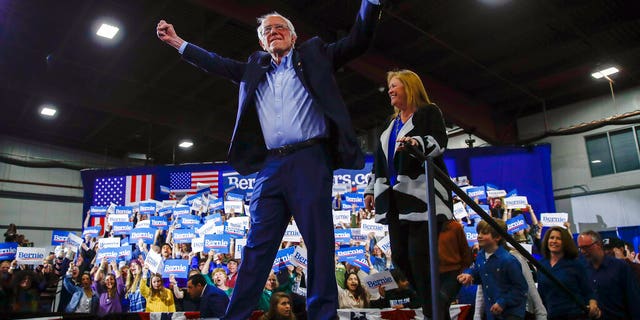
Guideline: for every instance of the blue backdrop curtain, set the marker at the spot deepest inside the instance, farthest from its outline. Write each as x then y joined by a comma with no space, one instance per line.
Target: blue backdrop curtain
526,169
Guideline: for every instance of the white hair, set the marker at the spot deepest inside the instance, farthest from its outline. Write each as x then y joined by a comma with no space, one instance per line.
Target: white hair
274,14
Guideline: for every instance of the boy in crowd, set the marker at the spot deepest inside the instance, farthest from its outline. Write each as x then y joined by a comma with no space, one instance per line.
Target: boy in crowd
499,274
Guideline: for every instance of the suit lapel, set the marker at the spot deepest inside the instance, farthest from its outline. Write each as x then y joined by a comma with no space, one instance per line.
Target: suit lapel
384,140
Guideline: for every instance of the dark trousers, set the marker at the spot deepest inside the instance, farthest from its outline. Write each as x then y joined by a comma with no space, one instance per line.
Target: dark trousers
299,184
410,253
449,288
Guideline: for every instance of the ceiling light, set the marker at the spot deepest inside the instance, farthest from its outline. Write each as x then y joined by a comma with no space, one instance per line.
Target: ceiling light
48,111
596,161
604,72
107,31
185,144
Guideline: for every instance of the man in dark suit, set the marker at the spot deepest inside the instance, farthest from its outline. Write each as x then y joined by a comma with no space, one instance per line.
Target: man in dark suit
211,300
293,127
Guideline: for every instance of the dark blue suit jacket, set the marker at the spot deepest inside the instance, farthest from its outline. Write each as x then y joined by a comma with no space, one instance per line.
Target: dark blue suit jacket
213,302
315,62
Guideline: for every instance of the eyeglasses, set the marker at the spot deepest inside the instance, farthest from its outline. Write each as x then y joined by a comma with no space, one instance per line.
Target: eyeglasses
587,247
278,27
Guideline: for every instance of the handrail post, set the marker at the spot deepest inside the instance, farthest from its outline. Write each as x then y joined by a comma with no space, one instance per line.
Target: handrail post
433,242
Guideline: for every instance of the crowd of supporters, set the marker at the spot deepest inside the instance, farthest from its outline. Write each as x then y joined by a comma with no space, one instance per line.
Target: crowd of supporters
497,280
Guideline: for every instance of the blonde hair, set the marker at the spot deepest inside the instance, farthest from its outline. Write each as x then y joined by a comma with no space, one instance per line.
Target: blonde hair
414,89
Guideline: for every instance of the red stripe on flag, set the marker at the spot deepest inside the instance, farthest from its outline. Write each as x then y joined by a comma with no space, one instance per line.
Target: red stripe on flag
132,192
143,188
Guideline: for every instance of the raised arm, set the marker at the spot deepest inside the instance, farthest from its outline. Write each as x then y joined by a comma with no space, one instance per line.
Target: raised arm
360,36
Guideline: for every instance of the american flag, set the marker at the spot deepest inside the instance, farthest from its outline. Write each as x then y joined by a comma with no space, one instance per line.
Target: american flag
123,190
187,182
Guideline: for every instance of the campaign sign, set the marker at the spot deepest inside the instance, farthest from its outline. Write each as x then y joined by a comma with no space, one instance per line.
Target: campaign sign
234,206
146,234
238,184
108,243
474,215
115,217
124,253
59,237
292,234
516,202
362,263
216,204
472,235
98,211
189,220
244,221
349,253
341,216
282,258
147,208
197,244
8,251
299,257
491,187
354,198
166,211
235,197
459,211
91,231
180,210
356,235
554,219
516,224
190,199
234,230
111,209
370,225
384,244
128,210
179,268
239,246
342,236
210,228
384,279
496,193
512,193
121,228
217,242
183,235
110,254
29,255
73,240
154,261
159,222
217,219
143,224
169,203
476,193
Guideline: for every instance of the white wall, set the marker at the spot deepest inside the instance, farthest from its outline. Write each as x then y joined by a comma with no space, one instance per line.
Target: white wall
570,166
38,213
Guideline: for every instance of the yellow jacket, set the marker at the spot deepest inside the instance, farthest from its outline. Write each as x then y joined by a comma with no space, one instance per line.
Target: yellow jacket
157,302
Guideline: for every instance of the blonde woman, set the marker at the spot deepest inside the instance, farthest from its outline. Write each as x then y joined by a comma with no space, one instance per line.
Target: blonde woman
137,302
398,178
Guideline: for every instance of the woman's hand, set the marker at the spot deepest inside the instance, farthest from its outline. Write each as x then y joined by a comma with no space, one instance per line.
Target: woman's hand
404,141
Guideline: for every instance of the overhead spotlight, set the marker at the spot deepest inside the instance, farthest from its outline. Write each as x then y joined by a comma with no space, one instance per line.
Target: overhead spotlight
186,144
48,111
381,88
605,72
596,161
107,31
